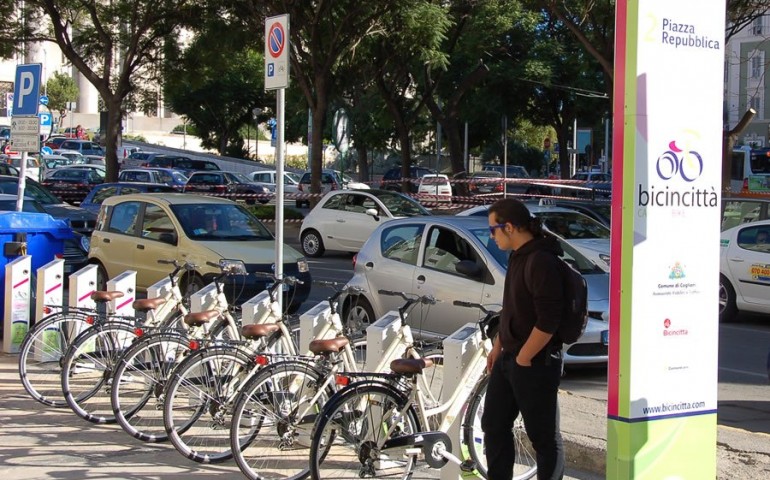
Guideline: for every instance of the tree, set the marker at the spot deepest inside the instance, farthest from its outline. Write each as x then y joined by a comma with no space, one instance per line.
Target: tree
61,89
216,82
322,33
109,43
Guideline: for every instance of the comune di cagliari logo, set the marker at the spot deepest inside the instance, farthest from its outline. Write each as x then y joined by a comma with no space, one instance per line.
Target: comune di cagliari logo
679,168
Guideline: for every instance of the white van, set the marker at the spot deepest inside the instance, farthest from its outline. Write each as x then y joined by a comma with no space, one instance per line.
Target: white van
436,187
750,170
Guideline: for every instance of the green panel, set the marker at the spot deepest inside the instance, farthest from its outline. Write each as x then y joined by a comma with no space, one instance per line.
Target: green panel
682,448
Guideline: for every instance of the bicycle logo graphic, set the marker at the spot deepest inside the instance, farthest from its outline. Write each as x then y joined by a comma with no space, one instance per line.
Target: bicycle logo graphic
688,166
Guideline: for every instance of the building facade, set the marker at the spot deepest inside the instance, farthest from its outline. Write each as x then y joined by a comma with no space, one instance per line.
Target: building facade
746,83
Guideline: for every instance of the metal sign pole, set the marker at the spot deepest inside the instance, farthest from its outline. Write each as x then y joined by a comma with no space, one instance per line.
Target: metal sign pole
280,100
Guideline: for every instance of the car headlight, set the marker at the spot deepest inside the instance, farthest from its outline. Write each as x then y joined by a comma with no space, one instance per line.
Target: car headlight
85,243
302,266
605,258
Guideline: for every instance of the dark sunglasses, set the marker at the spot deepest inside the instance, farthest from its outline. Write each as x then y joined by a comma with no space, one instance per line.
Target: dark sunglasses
492,228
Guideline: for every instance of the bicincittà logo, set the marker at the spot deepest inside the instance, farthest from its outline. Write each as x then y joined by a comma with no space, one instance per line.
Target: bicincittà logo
678,168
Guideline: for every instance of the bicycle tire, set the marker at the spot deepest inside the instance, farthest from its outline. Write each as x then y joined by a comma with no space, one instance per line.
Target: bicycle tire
139,382
267,438
349,427
86,375
42,354
200,386
525,465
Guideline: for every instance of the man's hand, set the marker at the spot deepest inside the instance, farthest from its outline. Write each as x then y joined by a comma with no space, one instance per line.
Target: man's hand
492,357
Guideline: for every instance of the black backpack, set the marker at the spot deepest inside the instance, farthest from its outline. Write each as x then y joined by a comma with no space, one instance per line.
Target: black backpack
576,298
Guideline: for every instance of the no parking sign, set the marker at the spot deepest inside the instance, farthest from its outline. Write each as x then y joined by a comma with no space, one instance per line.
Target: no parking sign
277,52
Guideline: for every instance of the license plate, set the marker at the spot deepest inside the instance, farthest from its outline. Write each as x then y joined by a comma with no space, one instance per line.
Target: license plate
605,337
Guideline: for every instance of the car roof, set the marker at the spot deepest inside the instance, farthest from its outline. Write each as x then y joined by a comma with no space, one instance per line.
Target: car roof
137,184
168,198
532,207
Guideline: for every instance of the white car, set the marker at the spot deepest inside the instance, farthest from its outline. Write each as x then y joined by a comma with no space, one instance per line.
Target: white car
578,229
436,186
744,270
267,178
344,219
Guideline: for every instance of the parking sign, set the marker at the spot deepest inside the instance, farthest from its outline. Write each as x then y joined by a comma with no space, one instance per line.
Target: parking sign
277,52
26,89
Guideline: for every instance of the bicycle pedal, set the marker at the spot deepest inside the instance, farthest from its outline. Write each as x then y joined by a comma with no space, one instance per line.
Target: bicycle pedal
468,466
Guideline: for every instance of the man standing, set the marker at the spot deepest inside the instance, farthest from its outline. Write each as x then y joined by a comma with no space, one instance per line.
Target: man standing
525,364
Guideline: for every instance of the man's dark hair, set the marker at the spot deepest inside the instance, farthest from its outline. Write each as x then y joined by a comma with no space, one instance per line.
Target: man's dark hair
509,210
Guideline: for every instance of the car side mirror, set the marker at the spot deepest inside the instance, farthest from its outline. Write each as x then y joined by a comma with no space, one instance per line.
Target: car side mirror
168,237
373,212
470,269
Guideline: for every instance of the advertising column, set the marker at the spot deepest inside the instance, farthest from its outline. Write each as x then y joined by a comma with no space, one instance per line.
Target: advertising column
669,63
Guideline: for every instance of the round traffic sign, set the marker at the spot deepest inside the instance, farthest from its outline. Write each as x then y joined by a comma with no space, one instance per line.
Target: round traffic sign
276,40
46,151
43,99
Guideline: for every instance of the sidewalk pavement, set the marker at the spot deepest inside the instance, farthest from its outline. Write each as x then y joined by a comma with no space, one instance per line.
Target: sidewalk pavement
44,443
37,442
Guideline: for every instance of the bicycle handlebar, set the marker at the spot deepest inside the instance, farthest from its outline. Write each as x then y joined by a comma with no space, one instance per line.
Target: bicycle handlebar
424,299
485,310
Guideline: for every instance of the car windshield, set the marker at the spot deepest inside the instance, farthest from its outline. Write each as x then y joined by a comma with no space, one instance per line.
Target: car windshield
570,255
573,225
179,177
241,177
29,206
33,190
399,205
293,176
220,222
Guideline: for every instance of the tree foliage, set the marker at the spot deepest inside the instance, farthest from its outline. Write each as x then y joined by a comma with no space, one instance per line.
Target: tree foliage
61,89
111,44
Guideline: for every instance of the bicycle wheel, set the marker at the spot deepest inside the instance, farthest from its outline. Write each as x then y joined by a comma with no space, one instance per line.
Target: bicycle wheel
86,376
42,354
352,428
525,465
273,419
199,398
139,380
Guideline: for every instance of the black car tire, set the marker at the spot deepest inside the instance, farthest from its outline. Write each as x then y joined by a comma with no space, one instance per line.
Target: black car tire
727,307
311,243
357,314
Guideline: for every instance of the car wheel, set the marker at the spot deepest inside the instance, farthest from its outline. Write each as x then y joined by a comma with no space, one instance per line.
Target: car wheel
727,308
311,243
357,314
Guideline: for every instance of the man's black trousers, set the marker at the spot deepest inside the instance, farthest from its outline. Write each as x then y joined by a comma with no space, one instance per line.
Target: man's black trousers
533,391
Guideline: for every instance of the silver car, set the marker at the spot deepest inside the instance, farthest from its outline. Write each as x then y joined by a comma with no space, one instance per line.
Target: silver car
426,255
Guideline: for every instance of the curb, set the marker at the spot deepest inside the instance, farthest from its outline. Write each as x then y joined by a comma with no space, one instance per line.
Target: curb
585,454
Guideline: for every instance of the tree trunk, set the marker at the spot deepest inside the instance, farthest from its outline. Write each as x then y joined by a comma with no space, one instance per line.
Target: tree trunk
222,143
729,137
562,134
451,129
406,152
316,148
114,115
363,163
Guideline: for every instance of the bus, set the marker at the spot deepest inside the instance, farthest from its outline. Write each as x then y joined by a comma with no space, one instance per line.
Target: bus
750,171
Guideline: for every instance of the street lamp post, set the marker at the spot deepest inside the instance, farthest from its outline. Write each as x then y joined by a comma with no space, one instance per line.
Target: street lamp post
255,112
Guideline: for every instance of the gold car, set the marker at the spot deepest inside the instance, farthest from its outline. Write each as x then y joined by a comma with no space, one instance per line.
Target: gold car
134,231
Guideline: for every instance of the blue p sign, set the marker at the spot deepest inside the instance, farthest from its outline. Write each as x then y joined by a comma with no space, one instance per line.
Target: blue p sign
26,89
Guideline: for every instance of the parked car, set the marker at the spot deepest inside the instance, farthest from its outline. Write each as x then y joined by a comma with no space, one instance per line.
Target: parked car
522,183
436,187
165,176
581,231
392,178
94,160
135,231
601,211
137,159
750,170
33,170
349,183
7,169
454,258
55,141
232,185
79,219
75,252
330,180
76,157
84,147
185,164
484,182
344,219
267,178
93,201
73,183
744,270
738,210
597,185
